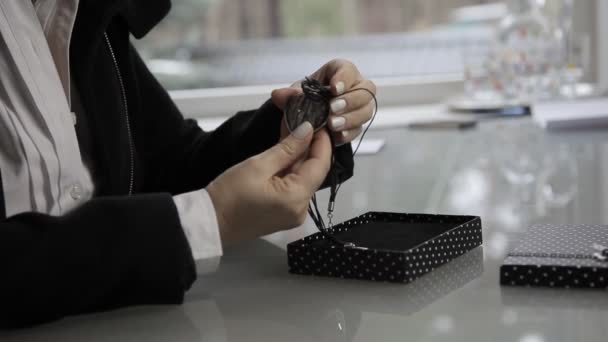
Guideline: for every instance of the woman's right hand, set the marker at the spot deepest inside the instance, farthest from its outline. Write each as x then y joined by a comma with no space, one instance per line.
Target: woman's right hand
267,192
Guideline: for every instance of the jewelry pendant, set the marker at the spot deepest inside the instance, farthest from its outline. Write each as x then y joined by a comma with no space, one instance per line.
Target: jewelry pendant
311,105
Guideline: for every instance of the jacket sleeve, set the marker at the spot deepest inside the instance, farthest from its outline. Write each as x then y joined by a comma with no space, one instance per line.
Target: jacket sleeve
110,252
179,156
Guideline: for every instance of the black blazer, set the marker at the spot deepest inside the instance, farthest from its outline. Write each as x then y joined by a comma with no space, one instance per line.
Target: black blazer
2,205
118,250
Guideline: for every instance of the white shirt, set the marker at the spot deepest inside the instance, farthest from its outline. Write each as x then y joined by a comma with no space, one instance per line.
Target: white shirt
42,169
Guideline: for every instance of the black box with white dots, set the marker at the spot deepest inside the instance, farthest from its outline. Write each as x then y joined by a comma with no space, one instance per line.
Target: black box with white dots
559,255
389,247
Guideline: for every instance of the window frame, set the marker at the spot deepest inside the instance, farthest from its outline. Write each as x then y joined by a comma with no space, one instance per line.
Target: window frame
393,91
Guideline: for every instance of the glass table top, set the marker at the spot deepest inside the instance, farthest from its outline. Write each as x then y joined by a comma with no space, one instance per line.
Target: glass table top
510,173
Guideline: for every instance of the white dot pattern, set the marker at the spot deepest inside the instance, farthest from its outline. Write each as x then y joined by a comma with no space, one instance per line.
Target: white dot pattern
462,233
562,264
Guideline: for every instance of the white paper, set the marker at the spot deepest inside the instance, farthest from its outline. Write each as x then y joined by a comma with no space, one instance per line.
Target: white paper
572,114
369,146
209,124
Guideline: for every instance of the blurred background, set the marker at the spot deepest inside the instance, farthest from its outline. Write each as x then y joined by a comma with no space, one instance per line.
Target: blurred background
225,43
219,43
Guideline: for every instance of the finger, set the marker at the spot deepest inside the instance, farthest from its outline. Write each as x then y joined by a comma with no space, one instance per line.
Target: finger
314,169
353,99
294,166
288,151
280,96
354,119
345,137
297,164
343,75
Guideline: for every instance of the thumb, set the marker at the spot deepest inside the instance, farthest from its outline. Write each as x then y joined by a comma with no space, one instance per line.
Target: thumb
280,96
288,151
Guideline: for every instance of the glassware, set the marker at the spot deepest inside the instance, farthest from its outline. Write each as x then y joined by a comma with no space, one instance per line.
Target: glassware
482,75
574,48
525,22
559,176
518,154
529,52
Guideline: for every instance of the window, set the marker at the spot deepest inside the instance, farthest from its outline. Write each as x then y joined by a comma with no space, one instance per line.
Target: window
219,43
214,44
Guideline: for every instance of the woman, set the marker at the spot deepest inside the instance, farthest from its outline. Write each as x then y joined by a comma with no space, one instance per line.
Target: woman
109,194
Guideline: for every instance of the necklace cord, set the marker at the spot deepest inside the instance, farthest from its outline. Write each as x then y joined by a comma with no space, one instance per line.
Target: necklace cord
316,92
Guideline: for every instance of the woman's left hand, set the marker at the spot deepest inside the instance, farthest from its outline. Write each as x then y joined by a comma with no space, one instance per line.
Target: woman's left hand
349,110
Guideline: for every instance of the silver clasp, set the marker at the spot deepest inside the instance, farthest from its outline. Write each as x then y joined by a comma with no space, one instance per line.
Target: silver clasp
602,252
330,214
353,246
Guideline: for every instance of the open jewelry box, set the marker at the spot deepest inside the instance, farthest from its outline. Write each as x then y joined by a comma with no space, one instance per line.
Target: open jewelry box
389,247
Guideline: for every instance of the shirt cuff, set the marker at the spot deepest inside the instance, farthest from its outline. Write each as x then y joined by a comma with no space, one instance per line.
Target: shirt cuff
198,219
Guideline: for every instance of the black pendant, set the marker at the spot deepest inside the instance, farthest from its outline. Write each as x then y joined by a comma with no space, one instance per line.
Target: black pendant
311,105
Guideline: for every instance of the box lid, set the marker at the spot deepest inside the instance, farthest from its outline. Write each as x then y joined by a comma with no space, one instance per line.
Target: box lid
560,245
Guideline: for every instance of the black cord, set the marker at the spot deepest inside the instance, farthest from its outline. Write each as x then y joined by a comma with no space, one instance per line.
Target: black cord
366,128
317,92
313,207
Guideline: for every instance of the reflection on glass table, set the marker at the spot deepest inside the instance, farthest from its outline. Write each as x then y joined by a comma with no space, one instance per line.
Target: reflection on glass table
557,299
326,310
260,295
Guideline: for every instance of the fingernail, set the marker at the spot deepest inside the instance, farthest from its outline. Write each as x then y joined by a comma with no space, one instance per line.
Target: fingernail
337,122
344,134
338,105
339,88
302,131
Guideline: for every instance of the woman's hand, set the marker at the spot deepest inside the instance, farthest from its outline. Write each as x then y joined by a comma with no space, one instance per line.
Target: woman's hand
349,110
267,192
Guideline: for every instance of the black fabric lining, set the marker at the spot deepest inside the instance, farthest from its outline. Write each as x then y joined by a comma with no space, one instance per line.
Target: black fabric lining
394,235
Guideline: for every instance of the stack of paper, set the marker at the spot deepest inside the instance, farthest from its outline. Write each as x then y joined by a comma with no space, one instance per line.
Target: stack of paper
572,114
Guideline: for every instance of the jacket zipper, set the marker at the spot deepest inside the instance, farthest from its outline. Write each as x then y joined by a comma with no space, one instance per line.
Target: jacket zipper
124,101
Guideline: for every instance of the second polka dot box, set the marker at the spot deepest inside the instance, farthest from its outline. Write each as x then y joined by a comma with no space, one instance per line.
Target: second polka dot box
390,247
566,256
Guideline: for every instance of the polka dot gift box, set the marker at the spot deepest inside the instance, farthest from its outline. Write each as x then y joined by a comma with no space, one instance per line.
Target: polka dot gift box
386,247
567,256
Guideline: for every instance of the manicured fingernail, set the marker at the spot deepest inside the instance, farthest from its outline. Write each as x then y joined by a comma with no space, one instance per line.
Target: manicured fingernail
339,88
337,122
344,134
303,130
338,105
